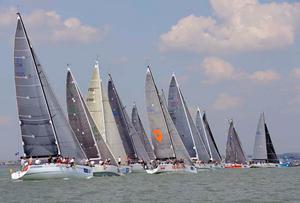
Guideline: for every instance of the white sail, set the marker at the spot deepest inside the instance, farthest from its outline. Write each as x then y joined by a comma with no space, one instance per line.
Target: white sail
260,149
101,112
94,100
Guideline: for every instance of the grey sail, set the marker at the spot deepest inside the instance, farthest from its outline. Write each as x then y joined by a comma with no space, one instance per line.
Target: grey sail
272,157
260,149
264,150
202,132
83,124
137,124
184,123
179,116
178,146
159,131
117,109
78,119
45,130
211,141
234,150
125,125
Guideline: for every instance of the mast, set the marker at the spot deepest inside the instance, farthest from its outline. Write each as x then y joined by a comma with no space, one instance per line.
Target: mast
43,91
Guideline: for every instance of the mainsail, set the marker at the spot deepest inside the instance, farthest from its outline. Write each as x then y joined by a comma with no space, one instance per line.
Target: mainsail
101,112
132,143
159,131
165,138
263,147
137,124
83,125
185,126
234,150
207,136
44,127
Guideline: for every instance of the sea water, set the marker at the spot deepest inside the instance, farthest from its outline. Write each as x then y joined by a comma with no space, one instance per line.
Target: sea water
221,185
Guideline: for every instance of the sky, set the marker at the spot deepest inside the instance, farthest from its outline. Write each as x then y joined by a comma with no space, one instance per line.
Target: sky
232,58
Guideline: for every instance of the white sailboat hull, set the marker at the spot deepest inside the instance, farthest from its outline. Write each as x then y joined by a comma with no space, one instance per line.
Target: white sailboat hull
137,168
106,170
52,171
264,165
170,168
125,170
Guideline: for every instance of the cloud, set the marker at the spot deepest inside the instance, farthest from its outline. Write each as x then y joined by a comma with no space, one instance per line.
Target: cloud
50,26
226,102
264,76
238,25
217,70
295,73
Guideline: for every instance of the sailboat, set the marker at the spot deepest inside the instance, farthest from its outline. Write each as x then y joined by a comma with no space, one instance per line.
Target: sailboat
87,132
44,128
132,143
185,125
206,134
235,156
168,146
137,124
264,155
99,107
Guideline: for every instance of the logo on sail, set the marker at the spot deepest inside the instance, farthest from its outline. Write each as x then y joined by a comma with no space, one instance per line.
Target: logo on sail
158,135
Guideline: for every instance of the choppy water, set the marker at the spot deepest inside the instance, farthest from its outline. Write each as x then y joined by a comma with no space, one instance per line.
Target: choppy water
229,185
